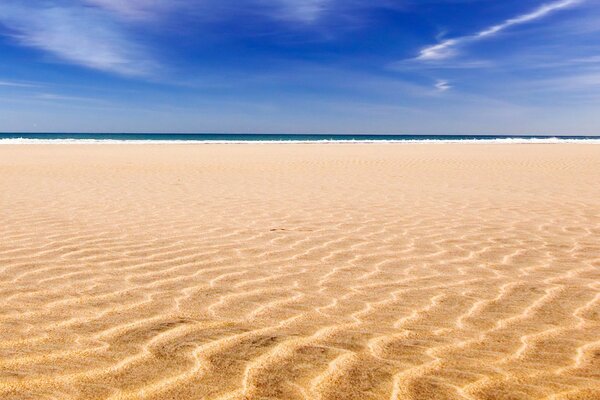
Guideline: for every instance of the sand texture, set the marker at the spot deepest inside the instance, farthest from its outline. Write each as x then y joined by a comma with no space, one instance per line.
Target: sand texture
426,271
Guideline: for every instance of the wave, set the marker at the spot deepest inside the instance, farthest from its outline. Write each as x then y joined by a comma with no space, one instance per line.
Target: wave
507,140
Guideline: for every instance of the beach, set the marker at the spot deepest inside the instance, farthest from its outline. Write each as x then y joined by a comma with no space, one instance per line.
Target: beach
300,271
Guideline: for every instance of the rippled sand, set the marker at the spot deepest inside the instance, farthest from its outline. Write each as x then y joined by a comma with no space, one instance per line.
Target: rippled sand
300,272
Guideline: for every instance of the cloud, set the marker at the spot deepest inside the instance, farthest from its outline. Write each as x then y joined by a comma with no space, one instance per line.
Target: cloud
17,84
292,10
302,10
442,85
78,35
136,9
448,48
97,34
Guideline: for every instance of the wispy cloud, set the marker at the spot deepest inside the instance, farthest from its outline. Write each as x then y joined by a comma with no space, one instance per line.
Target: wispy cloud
302,10
448,48
442,85
293,10
136,9
78,35
17,84
53,97
97,33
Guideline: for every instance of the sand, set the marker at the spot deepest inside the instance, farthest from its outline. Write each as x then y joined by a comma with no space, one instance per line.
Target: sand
282,271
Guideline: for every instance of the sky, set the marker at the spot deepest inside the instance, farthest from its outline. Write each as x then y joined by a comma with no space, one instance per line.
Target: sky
301,66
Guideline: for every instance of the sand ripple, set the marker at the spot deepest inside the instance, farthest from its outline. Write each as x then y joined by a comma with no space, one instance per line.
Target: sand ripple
300,272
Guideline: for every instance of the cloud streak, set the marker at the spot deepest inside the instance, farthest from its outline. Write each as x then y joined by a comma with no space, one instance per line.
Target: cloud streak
97,34
302,10
77,35
141,10
16,84
448,48
305,11
442,85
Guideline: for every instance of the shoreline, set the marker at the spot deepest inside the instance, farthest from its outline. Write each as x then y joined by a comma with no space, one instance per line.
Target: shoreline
508,141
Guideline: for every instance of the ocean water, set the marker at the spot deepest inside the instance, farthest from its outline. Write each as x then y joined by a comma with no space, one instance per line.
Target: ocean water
90,138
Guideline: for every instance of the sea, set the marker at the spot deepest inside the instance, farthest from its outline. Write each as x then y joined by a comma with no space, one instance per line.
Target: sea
158,138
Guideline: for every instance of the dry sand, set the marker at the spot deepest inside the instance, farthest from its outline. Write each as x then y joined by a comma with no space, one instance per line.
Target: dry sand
300,271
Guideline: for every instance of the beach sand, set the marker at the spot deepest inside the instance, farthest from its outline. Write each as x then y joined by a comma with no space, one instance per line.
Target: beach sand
285,271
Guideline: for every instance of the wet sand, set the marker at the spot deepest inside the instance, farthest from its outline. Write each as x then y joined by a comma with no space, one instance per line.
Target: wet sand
281,271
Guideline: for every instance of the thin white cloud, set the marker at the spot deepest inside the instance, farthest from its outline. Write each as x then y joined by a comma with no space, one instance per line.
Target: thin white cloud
136,9
16,84
77,35
302,10
571,83
94,34
442,85
448,48
54,97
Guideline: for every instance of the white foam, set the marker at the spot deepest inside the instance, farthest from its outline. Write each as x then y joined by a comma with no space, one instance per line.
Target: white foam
508,140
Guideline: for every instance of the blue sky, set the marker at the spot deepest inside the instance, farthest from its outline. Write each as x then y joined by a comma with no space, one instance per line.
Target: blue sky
301,66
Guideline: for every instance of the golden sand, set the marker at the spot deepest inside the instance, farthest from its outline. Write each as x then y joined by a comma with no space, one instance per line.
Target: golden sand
300,271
